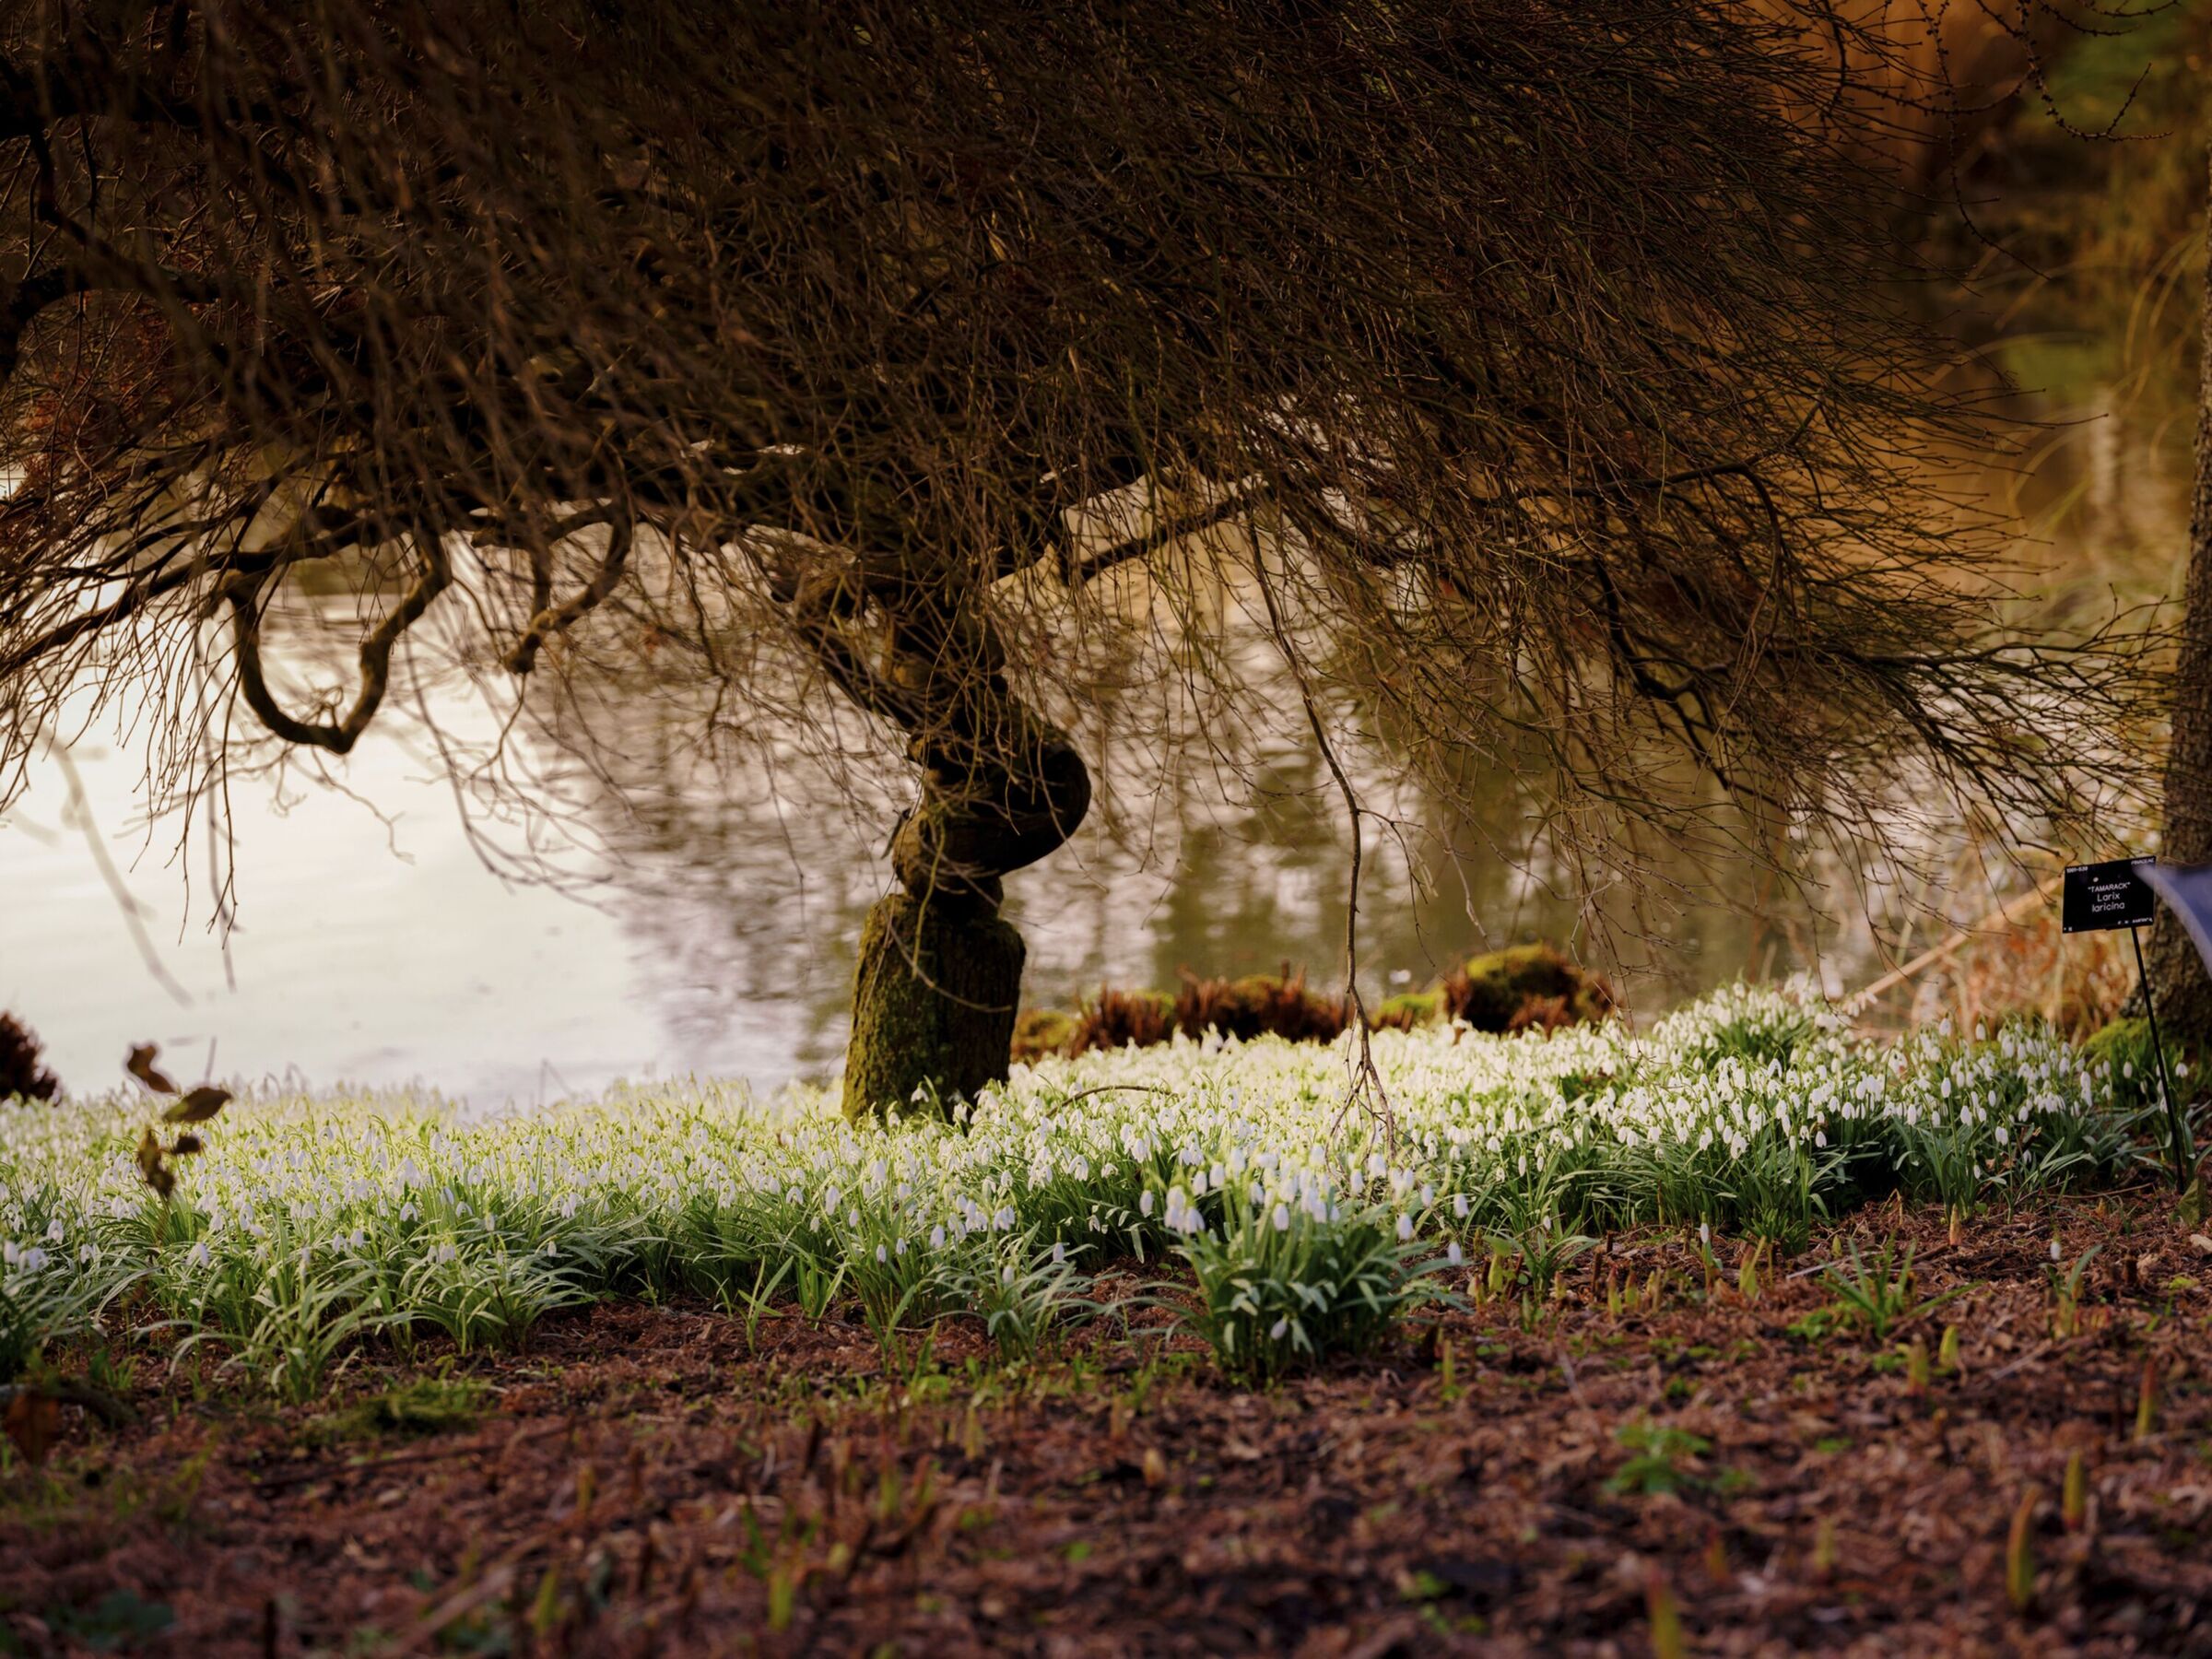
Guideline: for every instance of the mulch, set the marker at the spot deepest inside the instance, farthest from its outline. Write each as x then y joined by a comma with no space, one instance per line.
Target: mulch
644,1481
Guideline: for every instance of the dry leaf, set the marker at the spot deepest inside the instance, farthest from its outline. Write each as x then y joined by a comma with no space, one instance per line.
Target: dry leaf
32,1421
198,1106
150,1165
141,1066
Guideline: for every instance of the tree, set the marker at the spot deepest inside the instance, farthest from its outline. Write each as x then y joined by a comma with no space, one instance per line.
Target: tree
1524,374
2182,990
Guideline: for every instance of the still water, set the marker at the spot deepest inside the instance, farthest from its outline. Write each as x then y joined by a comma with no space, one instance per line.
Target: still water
373,945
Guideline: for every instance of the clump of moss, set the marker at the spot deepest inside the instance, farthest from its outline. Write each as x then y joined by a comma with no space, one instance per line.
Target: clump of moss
1408,1010
433,1405
1259,1005
1116,1019
21,1075
1041,1032
1523,987
2126,1046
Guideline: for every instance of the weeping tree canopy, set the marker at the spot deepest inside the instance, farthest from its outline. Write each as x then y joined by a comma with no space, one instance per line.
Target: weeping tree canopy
1532,375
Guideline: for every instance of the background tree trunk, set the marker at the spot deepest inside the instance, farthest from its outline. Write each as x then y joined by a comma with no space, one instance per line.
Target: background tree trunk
2185,992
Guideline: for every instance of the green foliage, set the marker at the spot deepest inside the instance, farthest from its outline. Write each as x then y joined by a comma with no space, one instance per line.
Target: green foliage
1025,1304
437,1403
1408,1010
1880,1295
313,1229
1042,1031
1281,1289
118,1622
1654,1463
2130,1060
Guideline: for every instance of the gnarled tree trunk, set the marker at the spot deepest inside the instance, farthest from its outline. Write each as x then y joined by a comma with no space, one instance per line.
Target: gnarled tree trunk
939,975
2183,990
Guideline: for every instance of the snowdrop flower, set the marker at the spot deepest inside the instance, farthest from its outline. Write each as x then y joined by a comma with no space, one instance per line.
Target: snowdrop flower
1279,1330
936,1238
1454,1255
1405,1228
1282,1218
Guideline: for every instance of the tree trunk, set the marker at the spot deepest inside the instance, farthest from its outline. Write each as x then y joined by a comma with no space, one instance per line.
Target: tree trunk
932,1002
939,977
2185,992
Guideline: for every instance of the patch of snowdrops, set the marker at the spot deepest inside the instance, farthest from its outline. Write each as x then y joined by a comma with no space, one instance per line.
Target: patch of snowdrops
311,1224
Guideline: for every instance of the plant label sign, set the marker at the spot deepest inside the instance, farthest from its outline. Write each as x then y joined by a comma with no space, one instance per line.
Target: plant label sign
2107,895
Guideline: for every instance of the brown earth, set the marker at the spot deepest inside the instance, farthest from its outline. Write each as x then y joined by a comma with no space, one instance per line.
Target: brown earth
644,1481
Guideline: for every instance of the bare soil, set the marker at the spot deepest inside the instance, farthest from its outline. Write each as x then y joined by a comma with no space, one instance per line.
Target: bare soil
658,1480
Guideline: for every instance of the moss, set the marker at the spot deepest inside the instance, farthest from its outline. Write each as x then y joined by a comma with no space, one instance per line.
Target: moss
1409,1009
2126,1046
1525,985
432,1404
1114,1019
1259,1005
932,1003
1041,1032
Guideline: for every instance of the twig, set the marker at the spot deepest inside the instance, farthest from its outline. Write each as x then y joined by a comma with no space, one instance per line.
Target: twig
1110,1088
1935,953
1364,1088
81,804
115,1412
365,1465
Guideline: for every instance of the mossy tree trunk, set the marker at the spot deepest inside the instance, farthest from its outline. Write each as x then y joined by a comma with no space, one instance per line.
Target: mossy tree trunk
939,976
2185,992
932,1002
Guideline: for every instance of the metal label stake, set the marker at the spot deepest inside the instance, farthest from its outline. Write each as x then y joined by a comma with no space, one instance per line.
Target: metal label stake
2183,1162
2115,894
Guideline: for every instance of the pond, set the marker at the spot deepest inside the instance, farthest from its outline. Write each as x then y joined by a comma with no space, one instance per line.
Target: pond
372,944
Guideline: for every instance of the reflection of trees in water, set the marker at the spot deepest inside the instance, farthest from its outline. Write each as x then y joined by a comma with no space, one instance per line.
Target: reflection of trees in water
744,876
744,882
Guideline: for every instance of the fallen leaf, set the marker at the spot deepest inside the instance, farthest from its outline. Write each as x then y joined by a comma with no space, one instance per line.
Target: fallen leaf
32,1421
2202,1243
150,1164
198,1106
141,1066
